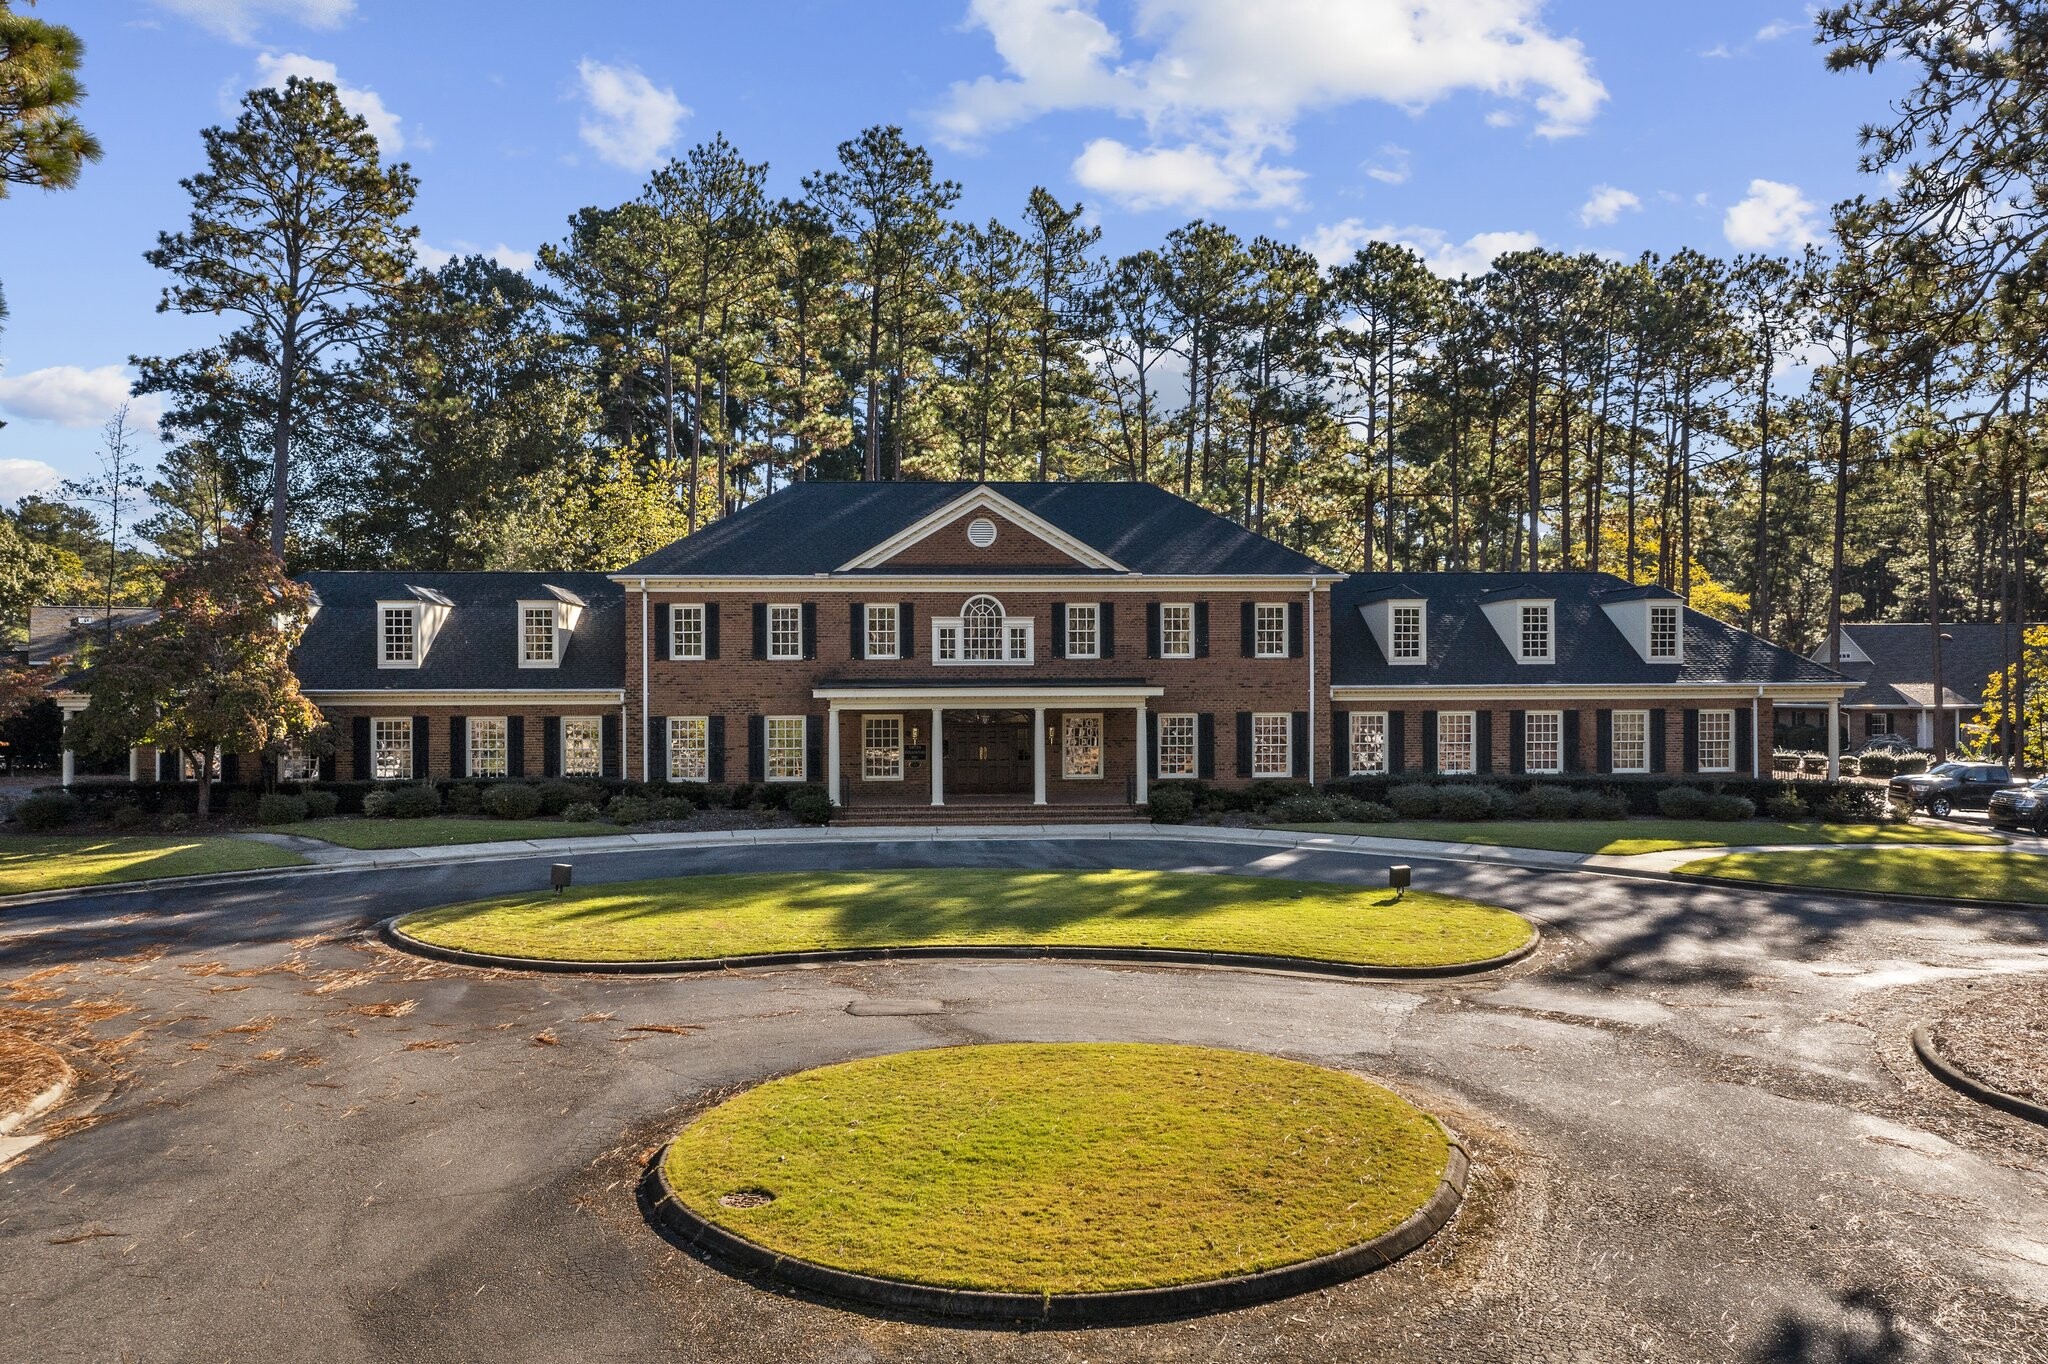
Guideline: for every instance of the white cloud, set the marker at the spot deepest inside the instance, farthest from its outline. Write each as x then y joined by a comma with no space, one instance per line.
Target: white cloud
433,257
1225,82
1392,166
70,395
1717,52
275,68
632,120
1338,242
239,20
1778,28
1605,204
1187,177
20,477
1774,215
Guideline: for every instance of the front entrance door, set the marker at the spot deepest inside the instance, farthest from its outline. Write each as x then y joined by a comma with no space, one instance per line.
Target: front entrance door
988,753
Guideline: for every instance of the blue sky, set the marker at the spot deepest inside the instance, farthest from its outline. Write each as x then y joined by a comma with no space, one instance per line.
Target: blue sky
1463,127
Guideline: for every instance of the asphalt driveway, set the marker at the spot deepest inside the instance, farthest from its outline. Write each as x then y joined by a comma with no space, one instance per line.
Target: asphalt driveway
1698,1128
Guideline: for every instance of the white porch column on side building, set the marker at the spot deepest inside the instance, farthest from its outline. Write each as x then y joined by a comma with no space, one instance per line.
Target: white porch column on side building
1038,755
70,769
938,755
1926,730
1144,761
832,751
1835,739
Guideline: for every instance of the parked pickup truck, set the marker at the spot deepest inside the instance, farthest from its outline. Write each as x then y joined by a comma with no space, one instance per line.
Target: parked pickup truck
2021,807
1951,786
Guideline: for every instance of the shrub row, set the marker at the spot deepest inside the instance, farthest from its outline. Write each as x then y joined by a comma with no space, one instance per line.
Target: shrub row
1839,801
149,800
1873,764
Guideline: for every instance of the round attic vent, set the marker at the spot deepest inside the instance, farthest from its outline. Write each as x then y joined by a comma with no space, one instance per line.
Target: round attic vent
981,532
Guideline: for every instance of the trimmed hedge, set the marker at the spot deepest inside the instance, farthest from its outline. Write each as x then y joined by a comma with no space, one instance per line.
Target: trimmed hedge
1843,802
97,801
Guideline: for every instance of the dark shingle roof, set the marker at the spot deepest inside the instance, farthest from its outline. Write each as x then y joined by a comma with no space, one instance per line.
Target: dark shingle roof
476,649
62,631
1465,651
1900,673
810,528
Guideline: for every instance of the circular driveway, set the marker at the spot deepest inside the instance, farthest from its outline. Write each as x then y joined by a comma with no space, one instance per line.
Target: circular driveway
1697,1127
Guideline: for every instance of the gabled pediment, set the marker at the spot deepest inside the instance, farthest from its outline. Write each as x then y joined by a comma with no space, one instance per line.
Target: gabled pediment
982,528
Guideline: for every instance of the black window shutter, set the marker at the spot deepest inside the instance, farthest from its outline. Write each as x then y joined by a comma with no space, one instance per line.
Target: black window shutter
1151,629
458,745
1294,631
515,746
1518,741
664,638
1300,745
1205,745
167,770
1397,741
1201,629
1248,641
1482,741
551,746
657,748
1105,629
1658,762
1692,740
422,746
906,630
810,628
760,629
1429,758
711,629
1059,629
857,630
230,767
1244,743
715,741
814,748
1743,719
359,736
327,767
1604,740
757,757
1340,743
612,730
1571,743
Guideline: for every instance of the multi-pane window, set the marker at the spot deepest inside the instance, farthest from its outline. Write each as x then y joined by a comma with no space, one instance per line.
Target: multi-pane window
391,748
882,625
401,636
1543,741
785,755
689,748
686,631
1177,745
881,748
1084,622
1081,746
1663,632
785,632
1630,746
1407,634
981,633
1177,630
1454,748
488,747
537,634
1368,742
1273,745
981,628
582,746
296,763
1269,629
1536,632
1717,741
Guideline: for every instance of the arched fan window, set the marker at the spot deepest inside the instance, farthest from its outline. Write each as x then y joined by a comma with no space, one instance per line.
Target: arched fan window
981,629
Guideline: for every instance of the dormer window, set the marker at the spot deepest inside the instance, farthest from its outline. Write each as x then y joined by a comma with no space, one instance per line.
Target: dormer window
1664,633
1536,632
538,641
399,637
1406,646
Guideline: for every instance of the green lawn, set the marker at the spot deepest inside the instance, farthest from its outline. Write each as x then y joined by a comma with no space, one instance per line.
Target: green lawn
56,861
1907,871
1620,837
700,917
437,832
1060,1168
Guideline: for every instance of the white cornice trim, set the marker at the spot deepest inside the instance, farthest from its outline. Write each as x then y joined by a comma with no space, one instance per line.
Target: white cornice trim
913,698
1661,692
988,582
469,696
982,499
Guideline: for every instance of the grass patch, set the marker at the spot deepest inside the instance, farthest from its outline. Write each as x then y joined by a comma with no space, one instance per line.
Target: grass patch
437,832
696,917
1621,837
1900,871
1060,1168
61,861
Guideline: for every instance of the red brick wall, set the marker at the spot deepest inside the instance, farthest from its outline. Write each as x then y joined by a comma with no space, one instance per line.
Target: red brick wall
948,547
1589,727
533,745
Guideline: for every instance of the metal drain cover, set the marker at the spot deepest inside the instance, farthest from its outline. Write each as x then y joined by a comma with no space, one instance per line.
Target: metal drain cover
894,1008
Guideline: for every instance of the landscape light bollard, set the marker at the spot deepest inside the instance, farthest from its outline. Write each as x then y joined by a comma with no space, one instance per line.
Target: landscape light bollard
1398,879
558,876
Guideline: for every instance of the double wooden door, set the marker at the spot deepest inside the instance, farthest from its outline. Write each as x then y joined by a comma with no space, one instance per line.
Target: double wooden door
988,753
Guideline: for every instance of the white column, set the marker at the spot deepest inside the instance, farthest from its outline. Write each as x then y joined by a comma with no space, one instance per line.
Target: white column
832,751
1926,730
938,756
1038,755
70,766
1835,739
1144,761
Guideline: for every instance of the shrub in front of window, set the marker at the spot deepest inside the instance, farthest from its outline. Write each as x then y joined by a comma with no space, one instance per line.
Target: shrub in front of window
377,804
415,801
808,805
557,796
176,822
1729,808
580,812
130,816
627,810
1683,802
1599,805
463,798
1301,810
1466,803
510,800
1415,800
670,808
1351,810
1880,765
272,808
1786,806
241,804
1546,802
47,810
1171,805
321,804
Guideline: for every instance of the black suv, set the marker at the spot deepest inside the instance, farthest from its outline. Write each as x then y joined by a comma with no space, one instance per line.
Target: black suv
1951,786
2021,807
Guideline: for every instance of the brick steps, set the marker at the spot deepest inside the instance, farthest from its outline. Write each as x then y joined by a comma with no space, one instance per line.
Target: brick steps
880,815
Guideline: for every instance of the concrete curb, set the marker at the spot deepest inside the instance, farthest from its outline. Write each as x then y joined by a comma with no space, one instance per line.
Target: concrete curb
1142,956
57,1093
1946,1072
1896,897
1057,1309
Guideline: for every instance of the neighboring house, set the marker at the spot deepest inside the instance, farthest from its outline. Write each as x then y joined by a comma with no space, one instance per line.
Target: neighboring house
1892,664
56,632
1054,647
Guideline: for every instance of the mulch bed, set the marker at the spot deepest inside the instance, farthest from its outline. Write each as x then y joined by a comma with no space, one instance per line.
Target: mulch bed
1997,1032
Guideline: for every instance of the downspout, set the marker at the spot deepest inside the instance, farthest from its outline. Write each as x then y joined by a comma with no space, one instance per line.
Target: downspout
645,756
1312,676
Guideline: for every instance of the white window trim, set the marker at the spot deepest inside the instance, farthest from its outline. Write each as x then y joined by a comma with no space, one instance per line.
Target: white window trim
1067,720
296,751
703,722
1351,767
377,723
798,656
1095,608
901,737
1528,741
958,626
597,723
1613,722
1700,741
554,658
1421,610
1194,772
1287,745
867,627
1549,611
675,632
1471,718
803,747
1188,607
1677,654
419,651
1286,629
469,745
